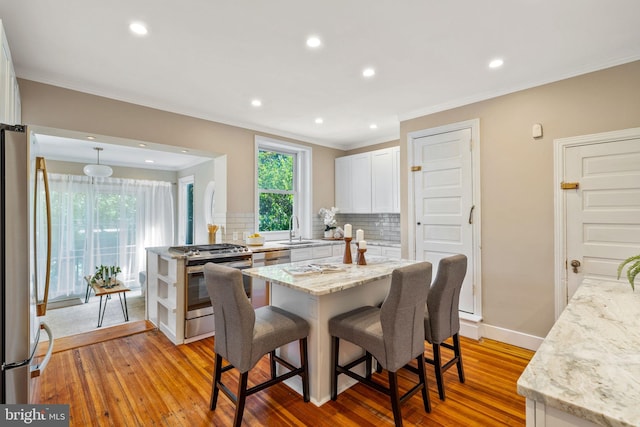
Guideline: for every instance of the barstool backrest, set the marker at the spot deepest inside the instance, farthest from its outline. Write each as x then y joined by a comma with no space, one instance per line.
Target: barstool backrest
233,314
444,298
402,314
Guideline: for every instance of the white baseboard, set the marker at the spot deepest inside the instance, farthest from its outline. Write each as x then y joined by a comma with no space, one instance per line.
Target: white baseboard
471,326
519,339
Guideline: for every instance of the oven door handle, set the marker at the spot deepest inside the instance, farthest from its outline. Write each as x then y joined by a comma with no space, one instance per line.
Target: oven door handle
195,269
238,264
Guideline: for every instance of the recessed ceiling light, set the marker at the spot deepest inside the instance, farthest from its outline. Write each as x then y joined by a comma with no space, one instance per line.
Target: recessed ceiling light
319,120
138,28
314,41
368,72
142,145
91,138
496,63
149,161
256,102
184,151
373,126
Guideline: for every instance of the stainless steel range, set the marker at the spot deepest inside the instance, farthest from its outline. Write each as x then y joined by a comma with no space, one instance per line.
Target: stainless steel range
198,309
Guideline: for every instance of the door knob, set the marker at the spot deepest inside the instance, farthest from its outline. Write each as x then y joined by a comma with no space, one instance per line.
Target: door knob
575,264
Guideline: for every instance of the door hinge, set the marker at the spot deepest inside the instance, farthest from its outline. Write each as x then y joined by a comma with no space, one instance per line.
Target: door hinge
416,168
569,185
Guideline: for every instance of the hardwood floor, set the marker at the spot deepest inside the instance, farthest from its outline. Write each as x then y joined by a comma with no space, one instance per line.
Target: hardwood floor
144,380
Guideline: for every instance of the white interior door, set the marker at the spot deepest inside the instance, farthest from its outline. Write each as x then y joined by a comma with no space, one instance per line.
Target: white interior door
603,213
443,200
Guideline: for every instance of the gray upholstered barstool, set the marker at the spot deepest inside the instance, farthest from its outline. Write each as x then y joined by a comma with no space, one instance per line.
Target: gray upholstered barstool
441,319
392,333
244,336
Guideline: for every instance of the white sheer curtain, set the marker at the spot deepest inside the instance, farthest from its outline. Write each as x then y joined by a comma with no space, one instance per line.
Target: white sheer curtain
106,221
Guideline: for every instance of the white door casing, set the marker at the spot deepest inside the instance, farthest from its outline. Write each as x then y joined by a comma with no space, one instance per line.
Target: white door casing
598,223
444,213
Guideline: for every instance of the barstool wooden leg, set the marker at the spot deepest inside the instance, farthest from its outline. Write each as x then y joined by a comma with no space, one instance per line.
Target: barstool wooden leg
458,354
242,397
395,398
367,366
304,362
217,374
335,345
422,375
437,362
272,363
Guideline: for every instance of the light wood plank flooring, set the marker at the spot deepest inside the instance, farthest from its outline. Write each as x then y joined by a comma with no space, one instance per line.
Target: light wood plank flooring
144,380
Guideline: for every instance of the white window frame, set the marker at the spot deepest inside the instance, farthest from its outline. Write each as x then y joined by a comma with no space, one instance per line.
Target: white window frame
182,208
302,176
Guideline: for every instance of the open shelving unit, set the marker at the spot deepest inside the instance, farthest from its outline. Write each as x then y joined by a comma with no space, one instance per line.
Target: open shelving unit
165,299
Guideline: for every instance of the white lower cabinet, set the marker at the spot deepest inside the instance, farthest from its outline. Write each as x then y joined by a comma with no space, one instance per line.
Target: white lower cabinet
312,252
374,250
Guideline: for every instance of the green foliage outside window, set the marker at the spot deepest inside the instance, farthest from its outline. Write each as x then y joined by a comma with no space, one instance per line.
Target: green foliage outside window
276,187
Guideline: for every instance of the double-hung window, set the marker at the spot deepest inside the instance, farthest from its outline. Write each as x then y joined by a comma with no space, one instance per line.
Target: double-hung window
283,194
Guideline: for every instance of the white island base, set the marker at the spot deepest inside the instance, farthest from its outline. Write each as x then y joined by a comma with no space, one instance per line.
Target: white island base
317,310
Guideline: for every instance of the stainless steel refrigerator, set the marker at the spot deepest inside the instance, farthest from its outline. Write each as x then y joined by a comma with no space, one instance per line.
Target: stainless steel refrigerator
25,261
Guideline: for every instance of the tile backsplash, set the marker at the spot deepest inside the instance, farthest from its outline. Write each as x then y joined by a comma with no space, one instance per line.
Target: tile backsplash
375,226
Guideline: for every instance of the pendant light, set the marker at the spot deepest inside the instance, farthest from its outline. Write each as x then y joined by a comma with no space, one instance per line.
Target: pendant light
98,170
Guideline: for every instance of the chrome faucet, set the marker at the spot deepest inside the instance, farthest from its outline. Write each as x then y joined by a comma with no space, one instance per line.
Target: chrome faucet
292,232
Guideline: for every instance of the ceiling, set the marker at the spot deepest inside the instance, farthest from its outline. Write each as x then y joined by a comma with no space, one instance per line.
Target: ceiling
67,146
209,59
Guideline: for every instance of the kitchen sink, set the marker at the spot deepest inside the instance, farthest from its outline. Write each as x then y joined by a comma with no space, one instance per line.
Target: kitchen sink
295,242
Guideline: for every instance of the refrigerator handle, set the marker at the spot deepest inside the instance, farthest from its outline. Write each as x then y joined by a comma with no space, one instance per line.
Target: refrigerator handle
41,166
36,370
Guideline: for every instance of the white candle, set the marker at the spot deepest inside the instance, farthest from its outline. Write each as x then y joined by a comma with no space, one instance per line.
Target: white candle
362,244
347,230
359,235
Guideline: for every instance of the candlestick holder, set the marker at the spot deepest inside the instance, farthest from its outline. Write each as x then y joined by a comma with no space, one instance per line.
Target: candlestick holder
361,260
346,259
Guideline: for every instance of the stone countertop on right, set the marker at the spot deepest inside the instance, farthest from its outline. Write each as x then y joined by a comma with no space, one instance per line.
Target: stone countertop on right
589,363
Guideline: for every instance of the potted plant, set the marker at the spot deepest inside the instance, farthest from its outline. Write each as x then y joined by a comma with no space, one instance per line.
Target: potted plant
106,274
632,270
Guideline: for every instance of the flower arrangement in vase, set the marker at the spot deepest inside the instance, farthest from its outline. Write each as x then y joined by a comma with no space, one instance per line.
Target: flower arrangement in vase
329,219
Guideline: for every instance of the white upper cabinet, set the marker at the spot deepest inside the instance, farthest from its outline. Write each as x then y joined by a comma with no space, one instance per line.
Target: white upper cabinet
385,186
353,183
368,182
10,107
343,199
361,183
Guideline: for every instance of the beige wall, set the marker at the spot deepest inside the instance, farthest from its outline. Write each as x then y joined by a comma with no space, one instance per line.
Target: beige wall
51,106
517,182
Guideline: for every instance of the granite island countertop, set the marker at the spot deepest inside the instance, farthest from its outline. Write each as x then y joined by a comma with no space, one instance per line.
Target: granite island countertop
589,363
348,276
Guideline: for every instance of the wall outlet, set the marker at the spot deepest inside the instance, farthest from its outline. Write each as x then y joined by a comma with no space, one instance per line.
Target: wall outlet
235,235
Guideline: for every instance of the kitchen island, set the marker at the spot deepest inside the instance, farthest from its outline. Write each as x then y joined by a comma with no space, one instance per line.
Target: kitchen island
587,370
317,297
